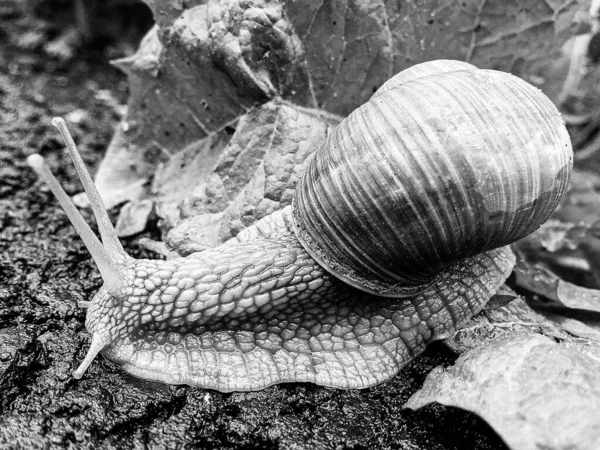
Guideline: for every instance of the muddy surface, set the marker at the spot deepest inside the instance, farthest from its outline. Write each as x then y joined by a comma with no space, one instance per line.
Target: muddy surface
45,271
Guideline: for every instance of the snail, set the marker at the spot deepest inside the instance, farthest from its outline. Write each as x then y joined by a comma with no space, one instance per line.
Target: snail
398,233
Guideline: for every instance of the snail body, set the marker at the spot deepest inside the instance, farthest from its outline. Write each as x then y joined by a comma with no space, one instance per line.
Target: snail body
281,303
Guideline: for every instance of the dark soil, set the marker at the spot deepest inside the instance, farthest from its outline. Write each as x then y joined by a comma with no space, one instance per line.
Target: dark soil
45,270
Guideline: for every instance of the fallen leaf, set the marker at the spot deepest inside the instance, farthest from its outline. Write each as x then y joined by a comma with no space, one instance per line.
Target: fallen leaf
519,316
535,392
133,217
538,279
209,192
570,247
206,65
503,297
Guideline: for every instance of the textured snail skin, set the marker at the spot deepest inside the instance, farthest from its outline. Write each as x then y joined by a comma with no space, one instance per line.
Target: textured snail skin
259,310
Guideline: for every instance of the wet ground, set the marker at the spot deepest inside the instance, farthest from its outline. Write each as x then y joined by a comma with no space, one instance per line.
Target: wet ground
45,270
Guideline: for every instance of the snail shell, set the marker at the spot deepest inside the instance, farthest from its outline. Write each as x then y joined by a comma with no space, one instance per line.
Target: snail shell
444,162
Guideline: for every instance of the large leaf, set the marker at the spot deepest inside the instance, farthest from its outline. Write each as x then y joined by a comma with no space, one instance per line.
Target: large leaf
208,64
535,392
224,183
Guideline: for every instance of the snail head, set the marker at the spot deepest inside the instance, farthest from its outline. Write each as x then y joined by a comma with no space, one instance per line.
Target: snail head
108,254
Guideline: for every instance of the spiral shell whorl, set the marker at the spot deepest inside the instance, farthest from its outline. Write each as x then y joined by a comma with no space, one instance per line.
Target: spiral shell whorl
424,70
438,168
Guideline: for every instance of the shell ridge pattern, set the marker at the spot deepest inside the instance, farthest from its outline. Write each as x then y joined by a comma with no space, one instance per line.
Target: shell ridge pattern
387,117
452,228
341,138
352,193
507,180
416,134
551,135
432,164
461,200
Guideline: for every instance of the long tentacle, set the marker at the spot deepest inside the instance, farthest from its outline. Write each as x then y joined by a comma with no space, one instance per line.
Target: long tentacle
103,259
109,236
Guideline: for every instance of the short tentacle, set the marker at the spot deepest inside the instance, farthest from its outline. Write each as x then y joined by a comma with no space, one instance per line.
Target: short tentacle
99,343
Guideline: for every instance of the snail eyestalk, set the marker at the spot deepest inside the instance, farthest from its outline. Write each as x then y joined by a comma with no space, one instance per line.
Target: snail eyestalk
107,232
105,262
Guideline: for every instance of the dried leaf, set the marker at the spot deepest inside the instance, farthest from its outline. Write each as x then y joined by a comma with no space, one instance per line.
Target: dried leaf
536,393
569,245
538,279
564,248
503,297
133,217
195,78
208,64
517,317
209,194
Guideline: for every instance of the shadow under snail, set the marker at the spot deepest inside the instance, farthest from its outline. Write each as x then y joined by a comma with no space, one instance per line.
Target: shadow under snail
397,235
